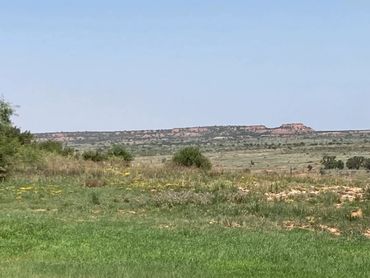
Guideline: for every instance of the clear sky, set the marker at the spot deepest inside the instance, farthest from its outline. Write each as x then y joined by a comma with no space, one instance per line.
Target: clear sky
117,65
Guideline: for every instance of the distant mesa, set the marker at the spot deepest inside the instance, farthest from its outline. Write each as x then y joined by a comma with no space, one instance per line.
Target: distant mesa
221,135
285,129
291,129
199,134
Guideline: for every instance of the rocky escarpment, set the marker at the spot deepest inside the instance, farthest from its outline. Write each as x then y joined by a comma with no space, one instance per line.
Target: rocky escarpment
203,134
291,129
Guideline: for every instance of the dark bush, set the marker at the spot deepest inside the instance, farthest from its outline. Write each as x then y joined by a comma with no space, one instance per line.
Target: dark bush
366,164
94,155
121,152
340,165
330,162
192,157
55,147
355,162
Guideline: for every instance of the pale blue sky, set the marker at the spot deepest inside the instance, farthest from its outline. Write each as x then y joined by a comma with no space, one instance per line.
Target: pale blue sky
117,65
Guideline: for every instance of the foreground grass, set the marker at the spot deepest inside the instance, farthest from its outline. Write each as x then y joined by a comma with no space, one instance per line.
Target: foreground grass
34,246
182,224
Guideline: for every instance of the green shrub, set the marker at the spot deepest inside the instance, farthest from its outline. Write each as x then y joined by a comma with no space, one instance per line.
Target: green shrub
121,152
56,147
330,162
8,149
355,162
95,155
366,164
191,157
340,165
6,112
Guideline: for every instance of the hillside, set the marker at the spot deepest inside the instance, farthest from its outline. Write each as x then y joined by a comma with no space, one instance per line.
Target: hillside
189,133
212,137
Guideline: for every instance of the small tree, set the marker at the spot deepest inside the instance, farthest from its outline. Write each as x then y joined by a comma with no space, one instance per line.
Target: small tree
330,162
355,162
11,138
192,157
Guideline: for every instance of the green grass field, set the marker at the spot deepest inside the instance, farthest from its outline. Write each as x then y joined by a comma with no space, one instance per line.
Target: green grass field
42,246
159,222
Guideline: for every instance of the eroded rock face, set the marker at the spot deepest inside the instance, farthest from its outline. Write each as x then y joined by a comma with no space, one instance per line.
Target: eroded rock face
290,129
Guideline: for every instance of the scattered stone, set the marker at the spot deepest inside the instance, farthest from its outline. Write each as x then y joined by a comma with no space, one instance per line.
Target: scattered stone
367,233
346,193
332,230
39,210
357,214
245,190
311,219
164,226
231,224
290,225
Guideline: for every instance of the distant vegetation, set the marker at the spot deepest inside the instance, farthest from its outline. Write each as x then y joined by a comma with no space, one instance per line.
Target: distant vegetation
116,151
20,151
56,147
353,163
330,162
192,157
95,155
358,162
121,152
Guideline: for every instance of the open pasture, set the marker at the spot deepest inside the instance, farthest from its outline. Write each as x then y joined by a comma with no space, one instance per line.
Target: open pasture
105,219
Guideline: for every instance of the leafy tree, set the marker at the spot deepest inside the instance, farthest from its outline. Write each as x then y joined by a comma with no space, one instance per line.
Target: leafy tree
6,112
192,157
12,140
